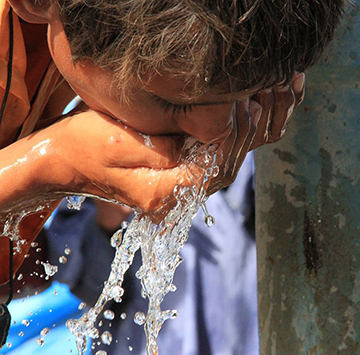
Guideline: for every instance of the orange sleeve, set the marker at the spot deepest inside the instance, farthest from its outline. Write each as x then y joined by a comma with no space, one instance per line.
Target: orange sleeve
16,113
18,105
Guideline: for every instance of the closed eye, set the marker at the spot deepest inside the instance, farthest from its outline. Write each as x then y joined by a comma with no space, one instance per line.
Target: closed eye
174,108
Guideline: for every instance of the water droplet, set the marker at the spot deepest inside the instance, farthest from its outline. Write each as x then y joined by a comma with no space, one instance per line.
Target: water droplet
21,334
62,259
173,288
139,318
124,224
147,140
75,202
34,244
38,250
116,293
108,314
101,352
20,277
106,338
93,333
209,221
44,332
50,270
131,348
123,316
8,344
40,341
25,322
67,251
55,293
116,239
82,305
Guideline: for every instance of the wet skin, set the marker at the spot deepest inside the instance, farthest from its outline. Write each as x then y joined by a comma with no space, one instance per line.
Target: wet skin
94,153
162,106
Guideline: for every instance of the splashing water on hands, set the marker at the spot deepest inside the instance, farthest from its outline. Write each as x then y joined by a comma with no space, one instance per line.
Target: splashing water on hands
160,244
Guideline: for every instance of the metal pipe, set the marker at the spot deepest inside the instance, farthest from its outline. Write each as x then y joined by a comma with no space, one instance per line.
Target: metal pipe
308,213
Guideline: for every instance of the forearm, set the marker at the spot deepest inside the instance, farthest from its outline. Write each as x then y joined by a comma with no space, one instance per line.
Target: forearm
24,189
23,171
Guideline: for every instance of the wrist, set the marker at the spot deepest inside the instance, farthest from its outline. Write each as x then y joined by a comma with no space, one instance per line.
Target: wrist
27,174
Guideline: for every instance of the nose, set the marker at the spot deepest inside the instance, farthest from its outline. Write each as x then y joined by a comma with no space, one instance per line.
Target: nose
209,124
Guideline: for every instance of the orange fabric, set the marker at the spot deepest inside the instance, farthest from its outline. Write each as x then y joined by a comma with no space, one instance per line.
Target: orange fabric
18,105
34,79
31,64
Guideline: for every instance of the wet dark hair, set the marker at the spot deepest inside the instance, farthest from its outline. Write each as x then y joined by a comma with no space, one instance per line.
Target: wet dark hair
230,44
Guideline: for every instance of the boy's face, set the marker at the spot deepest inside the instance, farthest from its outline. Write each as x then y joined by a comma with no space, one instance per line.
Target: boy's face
161,106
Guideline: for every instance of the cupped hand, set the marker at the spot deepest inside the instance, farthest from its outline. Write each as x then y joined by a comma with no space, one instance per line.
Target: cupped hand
278,104
96,155
257,120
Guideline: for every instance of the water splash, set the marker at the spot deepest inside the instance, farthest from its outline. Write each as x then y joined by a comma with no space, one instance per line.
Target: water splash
12,225
106,338
160,244
75,202
108,314
43,333
50,270
147,140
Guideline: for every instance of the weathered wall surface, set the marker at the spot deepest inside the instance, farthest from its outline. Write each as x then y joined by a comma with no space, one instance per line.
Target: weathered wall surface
308,213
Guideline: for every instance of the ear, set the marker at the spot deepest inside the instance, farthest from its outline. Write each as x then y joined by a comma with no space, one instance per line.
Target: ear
33,11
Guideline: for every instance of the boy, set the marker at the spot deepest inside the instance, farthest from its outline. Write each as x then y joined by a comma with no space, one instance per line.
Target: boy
168,69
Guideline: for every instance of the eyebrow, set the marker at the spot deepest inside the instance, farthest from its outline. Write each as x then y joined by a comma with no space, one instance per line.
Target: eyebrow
190,103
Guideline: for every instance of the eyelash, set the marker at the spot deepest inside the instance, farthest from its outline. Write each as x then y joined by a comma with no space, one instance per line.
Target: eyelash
168,106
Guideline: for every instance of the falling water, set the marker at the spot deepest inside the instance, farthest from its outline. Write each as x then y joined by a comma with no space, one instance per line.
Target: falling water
160,244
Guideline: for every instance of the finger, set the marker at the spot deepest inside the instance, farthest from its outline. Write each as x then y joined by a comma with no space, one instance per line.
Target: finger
298,85
266,100
151,190
237,145
284,106
254,113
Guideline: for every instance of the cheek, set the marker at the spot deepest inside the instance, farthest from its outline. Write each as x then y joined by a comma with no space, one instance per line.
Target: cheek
209,124
148,119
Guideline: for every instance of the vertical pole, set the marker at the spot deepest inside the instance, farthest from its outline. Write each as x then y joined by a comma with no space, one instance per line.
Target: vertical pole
308,213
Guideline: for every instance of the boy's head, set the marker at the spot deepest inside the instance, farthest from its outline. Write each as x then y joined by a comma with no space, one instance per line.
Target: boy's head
230,44
168,53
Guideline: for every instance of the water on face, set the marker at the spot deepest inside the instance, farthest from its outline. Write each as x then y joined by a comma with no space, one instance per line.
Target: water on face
160,244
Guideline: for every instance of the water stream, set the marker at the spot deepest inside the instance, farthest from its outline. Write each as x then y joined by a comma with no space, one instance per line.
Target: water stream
160,244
